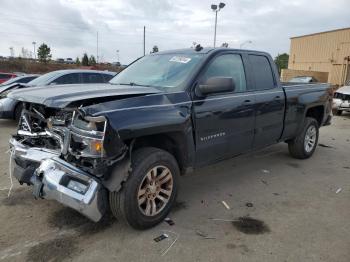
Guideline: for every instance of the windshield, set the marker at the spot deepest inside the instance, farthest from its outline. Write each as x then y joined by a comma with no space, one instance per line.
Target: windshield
44,79
163,71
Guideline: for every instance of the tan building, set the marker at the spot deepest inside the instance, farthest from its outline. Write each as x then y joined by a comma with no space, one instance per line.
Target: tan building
325,56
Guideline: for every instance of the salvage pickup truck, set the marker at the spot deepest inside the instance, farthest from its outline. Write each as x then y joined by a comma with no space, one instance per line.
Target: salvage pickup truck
122,146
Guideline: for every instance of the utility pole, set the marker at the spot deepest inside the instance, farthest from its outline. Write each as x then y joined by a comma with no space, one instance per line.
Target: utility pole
144,40
97,47
34,43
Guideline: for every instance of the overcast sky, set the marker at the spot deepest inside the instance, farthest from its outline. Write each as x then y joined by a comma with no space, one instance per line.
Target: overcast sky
69,27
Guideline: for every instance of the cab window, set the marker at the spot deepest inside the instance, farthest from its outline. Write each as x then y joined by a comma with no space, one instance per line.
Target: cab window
228,65
67,79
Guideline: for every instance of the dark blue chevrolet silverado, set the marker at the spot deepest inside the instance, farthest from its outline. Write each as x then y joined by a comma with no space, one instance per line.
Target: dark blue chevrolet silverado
122,146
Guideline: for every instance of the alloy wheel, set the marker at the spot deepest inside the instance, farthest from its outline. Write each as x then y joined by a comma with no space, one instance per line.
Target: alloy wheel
155,190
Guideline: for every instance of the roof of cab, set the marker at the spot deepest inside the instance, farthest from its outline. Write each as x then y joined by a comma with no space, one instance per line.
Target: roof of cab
207,50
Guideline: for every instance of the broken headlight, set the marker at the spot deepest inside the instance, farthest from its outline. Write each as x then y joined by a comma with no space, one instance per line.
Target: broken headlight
87,136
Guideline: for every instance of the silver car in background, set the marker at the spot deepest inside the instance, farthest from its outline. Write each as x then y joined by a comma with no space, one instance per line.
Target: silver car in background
11,109
341,100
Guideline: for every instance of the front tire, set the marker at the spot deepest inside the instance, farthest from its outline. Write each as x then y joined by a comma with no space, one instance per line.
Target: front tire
304,145
149,193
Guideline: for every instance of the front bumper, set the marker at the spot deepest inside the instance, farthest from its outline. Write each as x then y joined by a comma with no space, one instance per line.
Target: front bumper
343,105
56,179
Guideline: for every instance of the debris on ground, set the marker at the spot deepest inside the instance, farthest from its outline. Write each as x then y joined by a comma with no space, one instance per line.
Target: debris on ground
222,219
248,204
161,237
265,171
169,221
338,190
204,235
276,194
226,205
323,145
173,243
264,182
346,167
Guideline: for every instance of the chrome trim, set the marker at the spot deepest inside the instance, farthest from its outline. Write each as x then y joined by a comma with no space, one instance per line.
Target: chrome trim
31,134
33,154
54,171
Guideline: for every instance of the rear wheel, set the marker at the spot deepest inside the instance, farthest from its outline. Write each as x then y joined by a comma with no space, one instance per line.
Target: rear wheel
304,145
150,191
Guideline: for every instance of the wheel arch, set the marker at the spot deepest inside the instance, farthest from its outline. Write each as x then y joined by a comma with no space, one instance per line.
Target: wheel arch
175,143
317,112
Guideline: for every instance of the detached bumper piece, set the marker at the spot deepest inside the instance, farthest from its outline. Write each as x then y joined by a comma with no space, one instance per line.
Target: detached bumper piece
55,179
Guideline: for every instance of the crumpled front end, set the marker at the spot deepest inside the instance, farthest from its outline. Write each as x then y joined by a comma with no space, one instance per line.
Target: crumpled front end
55,179
65,157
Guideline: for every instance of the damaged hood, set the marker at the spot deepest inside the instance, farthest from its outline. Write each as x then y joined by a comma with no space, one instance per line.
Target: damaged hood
61,96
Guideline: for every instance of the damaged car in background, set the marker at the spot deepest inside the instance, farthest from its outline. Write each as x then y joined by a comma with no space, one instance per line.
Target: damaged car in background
341,100
122,146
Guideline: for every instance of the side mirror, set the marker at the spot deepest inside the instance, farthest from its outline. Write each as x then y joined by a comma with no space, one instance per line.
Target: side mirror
217,85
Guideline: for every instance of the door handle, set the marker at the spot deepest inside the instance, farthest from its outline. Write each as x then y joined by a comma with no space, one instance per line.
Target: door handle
277,97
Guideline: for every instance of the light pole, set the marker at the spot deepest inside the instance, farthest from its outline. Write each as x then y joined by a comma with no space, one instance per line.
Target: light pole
246,42
34,43
216,9
12,52
117,55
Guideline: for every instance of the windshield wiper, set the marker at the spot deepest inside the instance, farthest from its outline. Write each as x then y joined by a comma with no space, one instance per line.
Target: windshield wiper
132,84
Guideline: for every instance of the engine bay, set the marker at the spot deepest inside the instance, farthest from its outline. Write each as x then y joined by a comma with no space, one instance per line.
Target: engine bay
78,139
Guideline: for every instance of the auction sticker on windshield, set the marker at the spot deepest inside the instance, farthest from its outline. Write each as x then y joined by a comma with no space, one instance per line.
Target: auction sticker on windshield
180,59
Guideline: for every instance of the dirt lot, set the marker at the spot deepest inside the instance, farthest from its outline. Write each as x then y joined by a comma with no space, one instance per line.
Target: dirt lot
282,209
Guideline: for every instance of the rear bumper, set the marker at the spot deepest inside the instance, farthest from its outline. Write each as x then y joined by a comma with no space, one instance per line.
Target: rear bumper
55,179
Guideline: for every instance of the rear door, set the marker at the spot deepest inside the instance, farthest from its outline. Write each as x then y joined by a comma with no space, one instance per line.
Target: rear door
269,102
224,122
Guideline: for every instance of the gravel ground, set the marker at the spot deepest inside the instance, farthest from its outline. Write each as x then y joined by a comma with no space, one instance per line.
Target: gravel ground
281,209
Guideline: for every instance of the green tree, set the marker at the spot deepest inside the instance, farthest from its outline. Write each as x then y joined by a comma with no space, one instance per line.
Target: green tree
77,61
44,53
85,60
92,60
281,61
155,49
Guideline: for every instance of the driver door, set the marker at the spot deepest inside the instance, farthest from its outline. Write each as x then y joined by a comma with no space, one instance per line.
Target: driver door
224,122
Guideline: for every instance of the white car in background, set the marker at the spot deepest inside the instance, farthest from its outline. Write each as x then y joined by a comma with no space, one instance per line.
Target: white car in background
341,100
